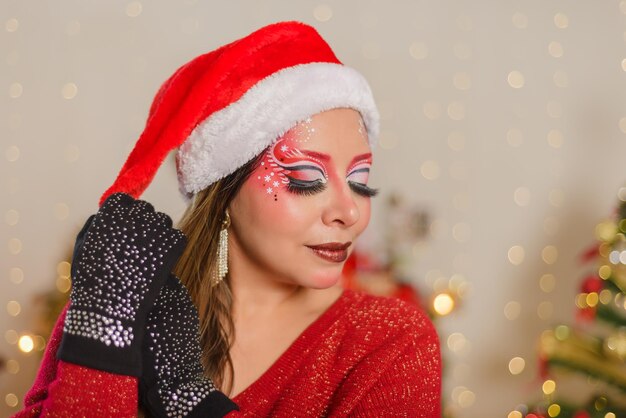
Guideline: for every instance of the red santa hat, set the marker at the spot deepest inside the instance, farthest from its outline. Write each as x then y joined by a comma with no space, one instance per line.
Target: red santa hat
223,108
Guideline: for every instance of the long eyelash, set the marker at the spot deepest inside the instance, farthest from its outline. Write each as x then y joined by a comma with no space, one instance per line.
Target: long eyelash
362,189
300,187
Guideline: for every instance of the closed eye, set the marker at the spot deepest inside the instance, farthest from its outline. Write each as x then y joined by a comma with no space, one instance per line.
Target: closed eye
305,187
362,189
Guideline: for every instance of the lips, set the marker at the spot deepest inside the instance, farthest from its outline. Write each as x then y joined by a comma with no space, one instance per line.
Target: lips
335,252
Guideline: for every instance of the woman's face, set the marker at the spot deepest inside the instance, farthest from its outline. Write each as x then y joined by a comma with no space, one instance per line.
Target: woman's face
296,218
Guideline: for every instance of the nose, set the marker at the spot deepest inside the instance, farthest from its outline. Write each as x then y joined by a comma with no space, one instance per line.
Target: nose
341,207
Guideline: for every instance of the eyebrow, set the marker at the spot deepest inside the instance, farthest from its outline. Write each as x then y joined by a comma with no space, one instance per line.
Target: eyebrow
361,157
315,154
326,157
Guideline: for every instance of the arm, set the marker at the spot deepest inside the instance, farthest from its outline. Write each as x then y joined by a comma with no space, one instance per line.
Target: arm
56,387
122,256
173,381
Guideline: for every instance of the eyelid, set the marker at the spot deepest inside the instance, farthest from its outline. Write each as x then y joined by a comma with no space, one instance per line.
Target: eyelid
360,167
305,183
360,173
302,163
305,174
307,167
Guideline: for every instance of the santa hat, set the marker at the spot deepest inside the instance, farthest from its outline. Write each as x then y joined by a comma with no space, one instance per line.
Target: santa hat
223,108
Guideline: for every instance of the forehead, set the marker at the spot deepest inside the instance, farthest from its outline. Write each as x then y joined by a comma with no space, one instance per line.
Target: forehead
337,132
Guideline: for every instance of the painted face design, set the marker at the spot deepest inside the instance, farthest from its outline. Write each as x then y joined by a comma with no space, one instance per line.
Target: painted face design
309,189
285,166
359,171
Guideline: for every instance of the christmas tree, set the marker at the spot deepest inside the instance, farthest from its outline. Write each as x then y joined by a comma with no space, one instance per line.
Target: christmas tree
594,347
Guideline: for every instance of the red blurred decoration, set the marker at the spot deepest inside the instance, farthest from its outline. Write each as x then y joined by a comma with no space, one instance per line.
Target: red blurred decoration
544,367
585,314
591,253
360,264
592,283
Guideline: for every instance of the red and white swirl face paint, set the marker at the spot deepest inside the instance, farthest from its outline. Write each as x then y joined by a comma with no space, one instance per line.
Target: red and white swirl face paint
284,162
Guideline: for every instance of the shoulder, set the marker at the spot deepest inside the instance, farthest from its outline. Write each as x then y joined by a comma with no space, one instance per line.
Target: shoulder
395,358
383,319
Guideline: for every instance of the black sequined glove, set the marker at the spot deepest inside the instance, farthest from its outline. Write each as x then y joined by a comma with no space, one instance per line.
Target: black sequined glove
172,383
122,257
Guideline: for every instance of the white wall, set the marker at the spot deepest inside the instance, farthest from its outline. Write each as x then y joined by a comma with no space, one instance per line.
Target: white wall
440,71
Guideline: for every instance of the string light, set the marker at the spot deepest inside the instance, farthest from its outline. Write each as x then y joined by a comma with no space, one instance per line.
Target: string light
15,245
69,91
133,9
516,79
15,90
517,365
547,283
516,254
11,400
443,304
430,170
549,254
323,13
16,275
12,153
548,387
12,217
512,310
521,196
13,367
26,343
554,410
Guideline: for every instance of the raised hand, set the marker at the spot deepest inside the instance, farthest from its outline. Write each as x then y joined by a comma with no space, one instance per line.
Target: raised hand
122,257
172,383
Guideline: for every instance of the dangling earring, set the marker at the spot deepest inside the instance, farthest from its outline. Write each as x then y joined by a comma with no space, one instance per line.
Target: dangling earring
222,252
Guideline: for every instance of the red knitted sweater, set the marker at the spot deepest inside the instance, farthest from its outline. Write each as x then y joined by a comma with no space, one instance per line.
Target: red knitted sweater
365,356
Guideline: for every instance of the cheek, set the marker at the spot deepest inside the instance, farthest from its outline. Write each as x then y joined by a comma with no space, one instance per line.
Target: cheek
276,210
365,211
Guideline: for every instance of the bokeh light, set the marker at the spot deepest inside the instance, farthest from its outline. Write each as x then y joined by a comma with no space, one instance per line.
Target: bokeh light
443,304
517,365
26,343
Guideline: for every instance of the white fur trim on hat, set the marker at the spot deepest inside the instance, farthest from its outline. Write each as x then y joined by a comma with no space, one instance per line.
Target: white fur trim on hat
232,136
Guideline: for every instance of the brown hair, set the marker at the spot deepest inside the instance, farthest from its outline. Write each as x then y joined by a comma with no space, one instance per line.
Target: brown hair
201,223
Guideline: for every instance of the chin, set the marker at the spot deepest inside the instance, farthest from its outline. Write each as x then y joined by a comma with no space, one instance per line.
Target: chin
324,280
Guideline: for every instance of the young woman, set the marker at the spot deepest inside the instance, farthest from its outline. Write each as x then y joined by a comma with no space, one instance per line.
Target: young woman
274,138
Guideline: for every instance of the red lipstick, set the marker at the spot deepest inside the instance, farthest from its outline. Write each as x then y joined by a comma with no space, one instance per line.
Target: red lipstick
335,252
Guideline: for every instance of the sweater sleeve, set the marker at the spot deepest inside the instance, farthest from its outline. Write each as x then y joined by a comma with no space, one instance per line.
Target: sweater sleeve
402,378
65,389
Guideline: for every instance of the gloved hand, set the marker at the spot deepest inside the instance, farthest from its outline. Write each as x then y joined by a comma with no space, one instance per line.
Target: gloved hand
122,257
172,383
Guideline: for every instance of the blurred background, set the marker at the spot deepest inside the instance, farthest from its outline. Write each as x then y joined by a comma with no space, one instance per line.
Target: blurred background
500,165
